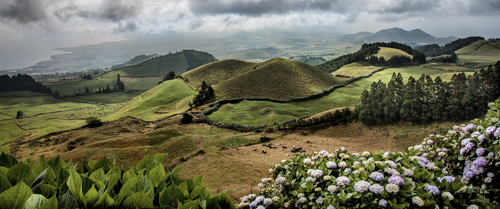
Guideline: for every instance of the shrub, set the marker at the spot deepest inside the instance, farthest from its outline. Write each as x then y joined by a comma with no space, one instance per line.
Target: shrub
186,118
265,139
101,184
93,121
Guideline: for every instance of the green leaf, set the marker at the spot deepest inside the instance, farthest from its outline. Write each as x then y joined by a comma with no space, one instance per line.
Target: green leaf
98,178
195,204
125,191
74,184
183,187
92,196
128,175
157,174
7,160
4,184
67,201
144,185
105,201
170,196
138,200
144,162
35,201
47,190
105,163
160,157
39,180
15,197
50,204
199,190
17,173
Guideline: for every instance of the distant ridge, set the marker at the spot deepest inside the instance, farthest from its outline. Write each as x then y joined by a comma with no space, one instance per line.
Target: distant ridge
398,35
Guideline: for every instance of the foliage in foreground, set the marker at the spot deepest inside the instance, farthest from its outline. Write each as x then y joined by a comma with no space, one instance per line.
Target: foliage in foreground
101,184
459,170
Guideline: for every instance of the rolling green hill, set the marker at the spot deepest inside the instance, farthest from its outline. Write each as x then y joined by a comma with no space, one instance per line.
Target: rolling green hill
482,51
251,55
387,53
355,69
276,78
168,98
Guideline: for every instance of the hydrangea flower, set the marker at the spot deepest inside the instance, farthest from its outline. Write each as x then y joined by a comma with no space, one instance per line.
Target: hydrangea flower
332,188
490,130
300,195
377,176
490,174
303,200
480,151
448,195
307,161
327,178
253,204
430,142
432,189
362,186
268,201
497,133
365,153
472,207
408,172
310,179
261,185
480,162
392,188
276,199
259,199
488,180
330,207
320,200
347,170
280,180
331,165
376,188
323,153
342,164
430,166
342,181
261,207
391,163
382,202
317,173
396,180
417,201
448,179
481,138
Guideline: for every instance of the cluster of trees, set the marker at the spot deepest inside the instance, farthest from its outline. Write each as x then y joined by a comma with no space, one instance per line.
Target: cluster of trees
118,87
426,100
206,92
22,82
195,58
364,54
87,76
169,76
336,118
446,59
433,50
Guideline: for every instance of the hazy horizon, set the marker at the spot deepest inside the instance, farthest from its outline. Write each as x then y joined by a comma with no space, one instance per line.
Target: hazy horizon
30,29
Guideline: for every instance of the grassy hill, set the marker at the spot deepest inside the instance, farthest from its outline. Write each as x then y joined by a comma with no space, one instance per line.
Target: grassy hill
166,99
276,78
355,69
387,53
251,55
482,51
157,67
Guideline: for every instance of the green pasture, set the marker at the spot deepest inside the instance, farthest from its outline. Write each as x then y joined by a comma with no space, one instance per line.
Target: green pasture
108,98
464,58
471,47
355,69
258,112
446,67
387,53
158,67
166,99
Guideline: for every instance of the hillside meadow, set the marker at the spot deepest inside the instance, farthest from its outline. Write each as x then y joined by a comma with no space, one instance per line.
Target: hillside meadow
267,113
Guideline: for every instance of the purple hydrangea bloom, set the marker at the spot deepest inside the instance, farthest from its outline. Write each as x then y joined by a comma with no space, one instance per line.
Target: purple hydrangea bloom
253,204
432,189
490,130
397,180
469,127
362,186
430,142
469,146
377,176
342,181
480,151
376,188
491,154
465,141
463,151
259,199
323,153
455,127
317,173
481,138
475,134
261,207
331,165
268,201
347,170
382,203
497,133
448,179
480,162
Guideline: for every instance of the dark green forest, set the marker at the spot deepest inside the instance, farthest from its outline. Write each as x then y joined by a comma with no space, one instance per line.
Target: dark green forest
425,100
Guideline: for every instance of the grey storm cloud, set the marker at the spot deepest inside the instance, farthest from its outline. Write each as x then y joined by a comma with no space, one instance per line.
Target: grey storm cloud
22,11
400,7
129,26
257,8
485,7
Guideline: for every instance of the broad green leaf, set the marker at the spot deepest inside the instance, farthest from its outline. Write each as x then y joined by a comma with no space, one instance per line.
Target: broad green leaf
62,177
39,180
91,164
50,204
125,191
3,171
92,196
98,178
75,187
160,157
128,175
138,200
15,197
47,190
4,184
17,172
183,187
152,165
199,190
157,174
105,201
56,164
105,163
170,196
86,167
198,180
35,201
195,204
86,184
7,160
144,162
144,184
67,201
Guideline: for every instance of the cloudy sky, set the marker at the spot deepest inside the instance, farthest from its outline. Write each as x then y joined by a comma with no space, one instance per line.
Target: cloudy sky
41,24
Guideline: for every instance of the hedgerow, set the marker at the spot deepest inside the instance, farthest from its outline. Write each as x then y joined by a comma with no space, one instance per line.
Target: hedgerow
456,170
